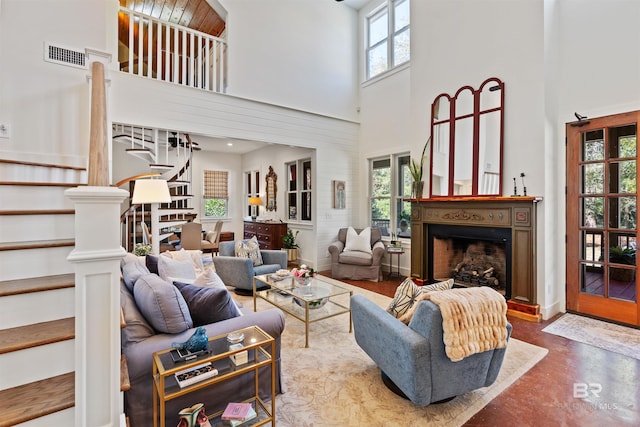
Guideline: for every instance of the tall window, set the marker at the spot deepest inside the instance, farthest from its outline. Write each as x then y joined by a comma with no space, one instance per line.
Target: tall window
216,194
299,190
390,190
252,180
388,37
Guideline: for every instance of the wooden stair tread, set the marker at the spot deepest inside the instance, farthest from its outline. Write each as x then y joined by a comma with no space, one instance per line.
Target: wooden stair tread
22,337
37,399
36,244
44,184
39,212
36,284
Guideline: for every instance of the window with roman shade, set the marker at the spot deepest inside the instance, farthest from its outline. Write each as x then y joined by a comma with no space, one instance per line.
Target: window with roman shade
216,194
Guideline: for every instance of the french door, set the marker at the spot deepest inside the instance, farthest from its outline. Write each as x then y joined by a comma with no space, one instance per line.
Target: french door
602,226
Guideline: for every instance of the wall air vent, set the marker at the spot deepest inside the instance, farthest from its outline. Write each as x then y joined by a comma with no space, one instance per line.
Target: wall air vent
64,56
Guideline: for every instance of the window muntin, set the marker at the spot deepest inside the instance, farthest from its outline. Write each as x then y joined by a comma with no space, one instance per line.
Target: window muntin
388,37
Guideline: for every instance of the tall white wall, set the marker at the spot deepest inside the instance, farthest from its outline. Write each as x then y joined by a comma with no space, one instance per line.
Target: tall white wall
45,104
555,57
298,53
592,67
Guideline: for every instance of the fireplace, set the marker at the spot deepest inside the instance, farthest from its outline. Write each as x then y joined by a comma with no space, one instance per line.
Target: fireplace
472,256
495,237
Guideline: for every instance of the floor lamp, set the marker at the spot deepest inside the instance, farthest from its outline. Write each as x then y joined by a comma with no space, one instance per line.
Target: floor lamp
153,192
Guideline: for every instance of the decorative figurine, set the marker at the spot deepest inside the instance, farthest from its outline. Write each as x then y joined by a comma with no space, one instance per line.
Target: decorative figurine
197,342
524,187
194,417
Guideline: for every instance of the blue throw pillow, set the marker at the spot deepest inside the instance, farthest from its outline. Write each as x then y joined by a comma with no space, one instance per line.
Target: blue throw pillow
152,263
206,304
161,304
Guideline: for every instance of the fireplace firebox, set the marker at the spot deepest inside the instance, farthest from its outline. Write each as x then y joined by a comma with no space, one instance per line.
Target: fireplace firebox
472,256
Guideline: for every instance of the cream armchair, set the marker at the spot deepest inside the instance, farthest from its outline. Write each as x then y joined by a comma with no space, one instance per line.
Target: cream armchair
357,264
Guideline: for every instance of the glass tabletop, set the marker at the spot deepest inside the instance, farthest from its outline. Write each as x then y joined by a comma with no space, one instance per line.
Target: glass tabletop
317,287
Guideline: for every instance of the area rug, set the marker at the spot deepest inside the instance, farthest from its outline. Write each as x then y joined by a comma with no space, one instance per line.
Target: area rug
334,383
597,333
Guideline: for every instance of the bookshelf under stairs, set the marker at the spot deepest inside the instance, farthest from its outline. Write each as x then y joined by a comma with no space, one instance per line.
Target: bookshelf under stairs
37,294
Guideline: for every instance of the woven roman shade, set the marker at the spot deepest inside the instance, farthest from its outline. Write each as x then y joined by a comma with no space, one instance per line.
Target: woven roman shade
215,184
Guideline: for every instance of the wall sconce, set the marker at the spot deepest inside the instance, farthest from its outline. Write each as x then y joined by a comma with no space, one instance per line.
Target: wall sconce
254,202
153,192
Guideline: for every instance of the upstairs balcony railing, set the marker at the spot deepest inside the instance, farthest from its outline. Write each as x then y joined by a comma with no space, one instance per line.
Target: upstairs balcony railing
171,53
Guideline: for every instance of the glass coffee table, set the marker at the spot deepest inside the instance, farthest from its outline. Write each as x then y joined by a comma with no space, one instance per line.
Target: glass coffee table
319,300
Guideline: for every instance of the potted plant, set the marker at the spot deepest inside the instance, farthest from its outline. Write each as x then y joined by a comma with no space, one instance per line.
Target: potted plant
620,255
289,244
416,168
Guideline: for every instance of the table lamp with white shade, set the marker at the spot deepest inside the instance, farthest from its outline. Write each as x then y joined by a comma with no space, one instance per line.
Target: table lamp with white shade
153,192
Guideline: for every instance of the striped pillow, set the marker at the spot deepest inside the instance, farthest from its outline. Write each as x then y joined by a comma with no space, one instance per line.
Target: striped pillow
408,292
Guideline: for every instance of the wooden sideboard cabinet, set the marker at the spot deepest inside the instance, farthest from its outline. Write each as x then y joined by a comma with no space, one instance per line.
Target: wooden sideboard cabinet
269,234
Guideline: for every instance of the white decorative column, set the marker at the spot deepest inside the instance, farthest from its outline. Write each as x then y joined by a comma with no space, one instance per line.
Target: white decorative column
97,256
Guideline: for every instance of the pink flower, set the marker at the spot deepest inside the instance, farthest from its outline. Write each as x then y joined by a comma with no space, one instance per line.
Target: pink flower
303,271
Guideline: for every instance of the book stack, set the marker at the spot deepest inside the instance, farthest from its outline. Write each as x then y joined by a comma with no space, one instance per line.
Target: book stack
237,413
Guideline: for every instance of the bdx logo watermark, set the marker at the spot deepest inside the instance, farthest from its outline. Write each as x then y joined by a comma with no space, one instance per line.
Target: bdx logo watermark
583,390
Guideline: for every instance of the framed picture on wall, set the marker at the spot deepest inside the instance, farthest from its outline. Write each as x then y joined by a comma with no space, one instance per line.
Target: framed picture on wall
339,195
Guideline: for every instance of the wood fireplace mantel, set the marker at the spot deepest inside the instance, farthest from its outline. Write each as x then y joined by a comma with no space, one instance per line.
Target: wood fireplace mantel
515,213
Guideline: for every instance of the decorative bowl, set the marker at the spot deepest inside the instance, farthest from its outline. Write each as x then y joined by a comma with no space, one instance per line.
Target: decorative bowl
319,296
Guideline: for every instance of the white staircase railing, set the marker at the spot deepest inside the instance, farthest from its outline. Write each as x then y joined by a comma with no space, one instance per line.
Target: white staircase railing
171,53
170,154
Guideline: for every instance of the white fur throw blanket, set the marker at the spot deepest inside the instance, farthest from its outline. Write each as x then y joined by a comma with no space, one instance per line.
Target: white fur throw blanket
473,320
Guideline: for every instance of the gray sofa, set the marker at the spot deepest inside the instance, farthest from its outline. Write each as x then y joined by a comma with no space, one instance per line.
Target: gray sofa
239,272
413,356
355,265
139,340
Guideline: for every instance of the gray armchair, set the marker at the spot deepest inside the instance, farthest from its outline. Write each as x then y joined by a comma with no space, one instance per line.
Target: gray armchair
239,272
355,265
412,357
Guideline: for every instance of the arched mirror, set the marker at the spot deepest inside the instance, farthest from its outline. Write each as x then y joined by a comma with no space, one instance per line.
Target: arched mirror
272,189
467,135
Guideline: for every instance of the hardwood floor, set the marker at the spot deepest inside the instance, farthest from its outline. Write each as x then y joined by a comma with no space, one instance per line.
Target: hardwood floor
544,395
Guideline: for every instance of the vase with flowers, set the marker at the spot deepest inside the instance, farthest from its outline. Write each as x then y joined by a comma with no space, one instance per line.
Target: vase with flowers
303,274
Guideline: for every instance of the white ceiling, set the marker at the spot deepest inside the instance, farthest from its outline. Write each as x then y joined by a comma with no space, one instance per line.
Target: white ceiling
356,4
221,145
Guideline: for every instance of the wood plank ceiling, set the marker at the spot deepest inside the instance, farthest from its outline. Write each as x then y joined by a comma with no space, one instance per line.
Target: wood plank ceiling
195,14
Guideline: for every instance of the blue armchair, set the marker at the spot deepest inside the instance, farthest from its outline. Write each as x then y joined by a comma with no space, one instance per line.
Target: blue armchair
239,272
412,357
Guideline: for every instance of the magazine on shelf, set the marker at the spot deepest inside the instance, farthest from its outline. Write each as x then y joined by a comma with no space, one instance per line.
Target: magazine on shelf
195,374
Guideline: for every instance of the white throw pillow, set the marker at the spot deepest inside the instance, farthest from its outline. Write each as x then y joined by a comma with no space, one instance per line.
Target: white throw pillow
194,256
209,279
358,242
170,268
249,249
